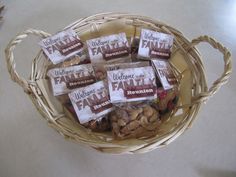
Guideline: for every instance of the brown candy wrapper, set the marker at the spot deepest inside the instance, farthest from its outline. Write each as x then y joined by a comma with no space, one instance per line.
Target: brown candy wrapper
91,102
112,48
132,84
101,69
155,45
61,46
64,80
164,73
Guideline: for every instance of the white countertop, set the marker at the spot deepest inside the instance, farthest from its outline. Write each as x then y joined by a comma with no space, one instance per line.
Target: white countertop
29,148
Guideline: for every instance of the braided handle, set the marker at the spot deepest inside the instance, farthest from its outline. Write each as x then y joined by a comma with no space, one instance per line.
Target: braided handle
11,64
204,96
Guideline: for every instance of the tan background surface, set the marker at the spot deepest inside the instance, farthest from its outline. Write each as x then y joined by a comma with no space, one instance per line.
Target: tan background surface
29,148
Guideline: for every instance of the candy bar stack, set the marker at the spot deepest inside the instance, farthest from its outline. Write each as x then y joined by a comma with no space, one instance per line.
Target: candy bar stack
107,85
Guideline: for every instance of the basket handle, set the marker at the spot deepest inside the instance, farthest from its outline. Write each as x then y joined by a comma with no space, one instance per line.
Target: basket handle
11,64
204,96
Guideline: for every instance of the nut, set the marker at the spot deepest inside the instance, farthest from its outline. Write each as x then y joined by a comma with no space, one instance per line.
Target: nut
140,110
133,125
148,111
134,121
115,127
152,126
125,130
113,118
121,122
123,115
153,118
144,120
133,114
139,131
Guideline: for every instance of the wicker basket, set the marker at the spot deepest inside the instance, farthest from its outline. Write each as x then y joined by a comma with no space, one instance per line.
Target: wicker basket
185,59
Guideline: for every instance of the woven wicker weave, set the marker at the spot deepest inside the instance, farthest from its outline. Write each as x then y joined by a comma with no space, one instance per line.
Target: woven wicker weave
185,59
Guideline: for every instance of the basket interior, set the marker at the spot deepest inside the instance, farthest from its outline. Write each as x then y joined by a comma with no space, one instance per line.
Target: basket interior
186,62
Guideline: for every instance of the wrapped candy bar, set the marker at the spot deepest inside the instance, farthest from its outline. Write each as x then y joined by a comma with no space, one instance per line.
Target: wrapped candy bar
132,84
101,69
64,80
164,73
155,45
112,48
91,102
61,46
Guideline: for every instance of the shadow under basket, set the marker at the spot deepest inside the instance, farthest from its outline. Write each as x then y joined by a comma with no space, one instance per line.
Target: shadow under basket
185,59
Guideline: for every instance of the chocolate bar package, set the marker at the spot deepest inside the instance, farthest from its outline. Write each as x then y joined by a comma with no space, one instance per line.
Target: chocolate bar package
132,84
155,45
101,69
164,73
91,102
64,80
61,46
111,48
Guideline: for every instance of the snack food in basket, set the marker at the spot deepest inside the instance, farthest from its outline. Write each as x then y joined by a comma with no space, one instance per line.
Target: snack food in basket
98,125
61,46
66,79
112,48
79,58
91,102
155,44
132,84
101,69
185,60
135,120
167,100
165,74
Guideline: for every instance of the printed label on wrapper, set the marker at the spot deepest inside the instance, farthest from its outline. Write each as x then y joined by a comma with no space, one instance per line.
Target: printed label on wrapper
64,80
91,102
101,69
61,46
108,48
164,73
155,44
132,84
